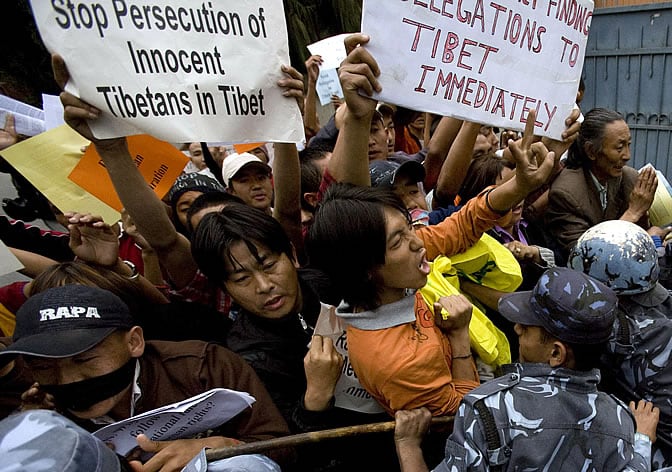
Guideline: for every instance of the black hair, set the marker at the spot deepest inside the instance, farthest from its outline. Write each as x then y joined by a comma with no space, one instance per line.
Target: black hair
403,116
218,231
586,356
208,200
591,136
311,175
483,172
347,240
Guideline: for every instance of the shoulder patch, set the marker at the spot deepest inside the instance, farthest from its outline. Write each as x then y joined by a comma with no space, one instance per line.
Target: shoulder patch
505,382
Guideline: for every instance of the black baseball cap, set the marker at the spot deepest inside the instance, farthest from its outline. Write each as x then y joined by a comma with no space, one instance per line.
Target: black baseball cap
66,321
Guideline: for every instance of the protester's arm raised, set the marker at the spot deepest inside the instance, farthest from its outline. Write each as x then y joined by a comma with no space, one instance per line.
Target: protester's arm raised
287,171
437,150
358,72
95,242
311,121
456,165
173,249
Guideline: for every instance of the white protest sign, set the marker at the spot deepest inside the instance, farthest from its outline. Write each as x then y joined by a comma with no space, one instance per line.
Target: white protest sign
179,420
488,61
331,49
328,85
179,70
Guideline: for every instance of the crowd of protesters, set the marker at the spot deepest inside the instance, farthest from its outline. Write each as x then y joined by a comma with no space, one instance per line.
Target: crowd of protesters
397,266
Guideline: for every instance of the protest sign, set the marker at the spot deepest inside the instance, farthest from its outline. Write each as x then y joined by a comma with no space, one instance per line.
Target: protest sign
331,49
179,420
484,61
160,164
178,70
46,160
328,85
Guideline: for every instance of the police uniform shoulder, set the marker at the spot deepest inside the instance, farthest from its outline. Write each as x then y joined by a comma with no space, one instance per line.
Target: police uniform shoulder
492,387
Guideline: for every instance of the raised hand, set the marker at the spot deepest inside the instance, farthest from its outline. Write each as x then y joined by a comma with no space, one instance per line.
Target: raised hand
313,64
569,135
358,73
76,112
92,240
534,163
292,84
323,366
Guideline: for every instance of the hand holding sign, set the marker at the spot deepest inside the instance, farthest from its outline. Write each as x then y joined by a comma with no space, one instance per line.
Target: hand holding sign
292,83
569,135
358,75
75,111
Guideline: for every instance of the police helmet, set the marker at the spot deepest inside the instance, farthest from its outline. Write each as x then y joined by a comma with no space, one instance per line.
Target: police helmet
619,254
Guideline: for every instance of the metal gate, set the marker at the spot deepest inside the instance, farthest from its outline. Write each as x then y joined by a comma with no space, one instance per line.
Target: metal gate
628,68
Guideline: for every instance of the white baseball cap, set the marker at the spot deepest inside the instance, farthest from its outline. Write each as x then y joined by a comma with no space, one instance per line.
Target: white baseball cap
233,163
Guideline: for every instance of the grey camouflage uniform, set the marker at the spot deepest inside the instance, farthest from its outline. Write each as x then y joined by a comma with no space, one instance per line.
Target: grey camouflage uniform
637,365
547,419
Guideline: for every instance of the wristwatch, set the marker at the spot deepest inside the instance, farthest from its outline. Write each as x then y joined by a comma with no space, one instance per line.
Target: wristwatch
134,270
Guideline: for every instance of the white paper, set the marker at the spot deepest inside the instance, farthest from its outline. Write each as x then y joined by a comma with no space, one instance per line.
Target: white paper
53,111
157,73
177,421
328,85
28,120
331,49
488,62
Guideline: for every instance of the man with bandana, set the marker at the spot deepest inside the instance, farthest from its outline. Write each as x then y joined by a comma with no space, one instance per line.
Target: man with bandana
546,413
90,361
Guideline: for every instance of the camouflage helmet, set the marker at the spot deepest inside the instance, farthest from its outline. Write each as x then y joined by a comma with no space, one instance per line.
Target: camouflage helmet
619,254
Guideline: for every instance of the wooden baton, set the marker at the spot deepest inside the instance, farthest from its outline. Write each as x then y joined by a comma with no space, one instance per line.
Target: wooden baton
309,438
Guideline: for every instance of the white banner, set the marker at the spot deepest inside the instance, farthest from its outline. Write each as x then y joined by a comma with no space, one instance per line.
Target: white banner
179,70
488,61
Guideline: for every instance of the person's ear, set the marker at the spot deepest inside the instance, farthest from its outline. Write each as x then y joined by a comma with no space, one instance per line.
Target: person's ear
311,198
295,259
136,341
590,152
559,354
